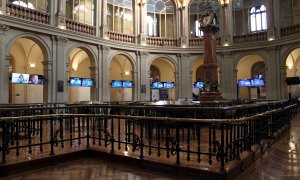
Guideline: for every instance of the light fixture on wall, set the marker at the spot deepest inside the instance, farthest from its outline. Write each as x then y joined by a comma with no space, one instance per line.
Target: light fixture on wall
32,65
290,66
127,73
224,3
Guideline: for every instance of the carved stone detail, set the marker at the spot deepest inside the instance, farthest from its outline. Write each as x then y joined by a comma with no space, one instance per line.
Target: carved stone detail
62,40
3,28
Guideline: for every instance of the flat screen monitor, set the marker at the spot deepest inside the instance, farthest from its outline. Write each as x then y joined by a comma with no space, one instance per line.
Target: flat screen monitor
87,82
19,78
127,84
198,85
293,80
168,85
36,79
116,84
257,82
74,81
157,85
244,83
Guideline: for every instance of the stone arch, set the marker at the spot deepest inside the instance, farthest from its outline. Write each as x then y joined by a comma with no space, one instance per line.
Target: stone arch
89,51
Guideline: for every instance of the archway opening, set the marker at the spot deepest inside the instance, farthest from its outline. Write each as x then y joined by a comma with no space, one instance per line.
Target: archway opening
250,70
122,79
164,87
81,76
293,70
27,79
197,78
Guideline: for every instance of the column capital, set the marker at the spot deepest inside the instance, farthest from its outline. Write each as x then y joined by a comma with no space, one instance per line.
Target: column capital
61,40
3,29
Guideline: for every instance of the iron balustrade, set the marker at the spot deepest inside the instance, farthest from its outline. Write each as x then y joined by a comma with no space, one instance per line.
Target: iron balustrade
184,141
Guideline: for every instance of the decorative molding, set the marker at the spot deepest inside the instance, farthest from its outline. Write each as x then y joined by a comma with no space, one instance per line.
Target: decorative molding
106,48
143,53
61,40
3,28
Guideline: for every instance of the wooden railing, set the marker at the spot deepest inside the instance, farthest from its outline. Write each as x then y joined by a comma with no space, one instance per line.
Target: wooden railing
290,30
183,141
248,38
80,27
158,41
26,13
117,36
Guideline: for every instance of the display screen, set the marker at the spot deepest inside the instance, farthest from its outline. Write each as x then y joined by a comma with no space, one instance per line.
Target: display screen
87,82
157,85
116,84
75,81
127,84
257,82
168,85
293,80
36,79
244,83
19,78
198,85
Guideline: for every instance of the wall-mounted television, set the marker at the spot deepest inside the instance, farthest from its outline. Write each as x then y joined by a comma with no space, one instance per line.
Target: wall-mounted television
75,81
127,84
36,79
168,85
244,83
257,82
198,85
157,85
19,78
116,84
87,82
293,80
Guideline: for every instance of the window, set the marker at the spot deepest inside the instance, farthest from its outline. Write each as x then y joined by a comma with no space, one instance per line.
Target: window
161,18
81,11
196,7
120,16
258,18
39,5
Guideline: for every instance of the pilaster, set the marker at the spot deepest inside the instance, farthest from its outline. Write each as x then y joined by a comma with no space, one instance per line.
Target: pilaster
61,69
105,73
184,83
60,15
2,7
48,72
4,65
143,74
272,75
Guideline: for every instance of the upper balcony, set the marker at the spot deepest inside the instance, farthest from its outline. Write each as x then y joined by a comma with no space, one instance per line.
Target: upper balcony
41,17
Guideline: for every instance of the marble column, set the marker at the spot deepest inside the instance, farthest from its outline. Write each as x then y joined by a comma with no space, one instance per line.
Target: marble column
60,16
142,35
270,17
103,27
143,81
272,74
105,74
47,89
184,84
4,65
183,38
94,90
99,82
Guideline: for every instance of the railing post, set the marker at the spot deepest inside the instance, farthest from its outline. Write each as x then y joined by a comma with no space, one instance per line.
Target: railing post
141,142
52,137
88,132
177,145
222,153
4,147
112,139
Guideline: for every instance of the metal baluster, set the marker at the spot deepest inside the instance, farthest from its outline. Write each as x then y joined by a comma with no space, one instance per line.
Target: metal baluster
79,129
112,136
17,138
126,134
209,146
142,142
41,135
87,131
72,126
119,133
94,136
199,140
188,143
222,169
168,138
52,137
29,137
177,145
238,142
61,131
214,139
158,137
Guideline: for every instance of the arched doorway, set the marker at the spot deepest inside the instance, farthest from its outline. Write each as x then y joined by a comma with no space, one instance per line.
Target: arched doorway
197,74
164,87
293,70
26,61
249,69
81,77
122,79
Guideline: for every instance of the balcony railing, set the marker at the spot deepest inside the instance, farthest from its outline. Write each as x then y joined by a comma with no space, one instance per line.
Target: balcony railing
26,13
80,27
248,38
290,30
117,36
158,41
196,42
